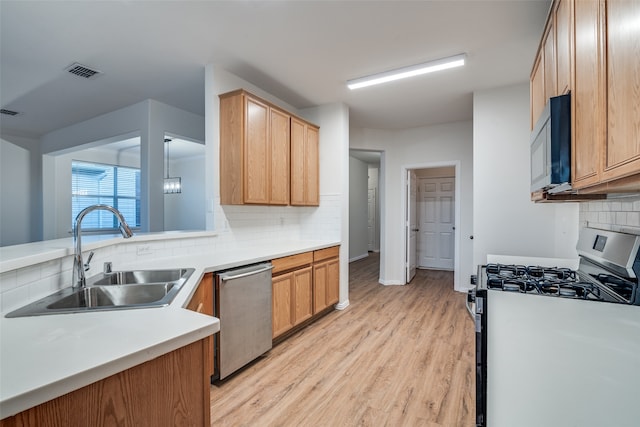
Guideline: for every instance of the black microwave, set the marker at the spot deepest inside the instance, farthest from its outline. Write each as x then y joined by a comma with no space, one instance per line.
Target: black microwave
551,147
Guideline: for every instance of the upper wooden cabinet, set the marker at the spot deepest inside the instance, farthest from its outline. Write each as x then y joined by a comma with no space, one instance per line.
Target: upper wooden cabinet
254,151
304,164
596,57
266,154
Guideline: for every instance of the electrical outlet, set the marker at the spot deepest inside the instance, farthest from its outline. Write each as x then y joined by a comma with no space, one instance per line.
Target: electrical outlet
144,250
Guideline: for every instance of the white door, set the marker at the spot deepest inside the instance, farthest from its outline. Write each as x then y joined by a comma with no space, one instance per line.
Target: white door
411,226
371,219
437,227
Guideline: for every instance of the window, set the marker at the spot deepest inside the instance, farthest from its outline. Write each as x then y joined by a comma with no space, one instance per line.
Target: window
117,186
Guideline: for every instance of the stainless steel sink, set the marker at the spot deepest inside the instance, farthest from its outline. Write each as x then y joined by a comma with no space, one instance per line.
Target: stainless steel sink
113,291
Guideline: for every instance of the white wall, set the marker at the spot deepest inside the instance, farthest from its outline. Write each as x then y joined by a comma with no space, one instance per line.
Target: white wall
505,219
20,190
15,187
186,210
358,209
149,120
431,146
374,173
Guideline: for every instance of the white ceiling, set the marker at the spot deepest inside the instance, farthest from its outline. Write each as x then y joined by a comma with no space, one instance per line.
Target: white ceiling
300,51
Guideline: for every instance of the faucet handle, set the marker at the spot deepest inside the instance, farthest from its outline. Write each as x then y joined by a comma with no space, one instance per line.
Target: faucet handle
107,268
86,264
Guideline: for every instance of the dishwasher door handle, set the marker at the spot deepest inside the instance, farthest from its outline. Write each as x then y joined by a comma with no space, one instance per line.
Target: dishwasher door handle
226,277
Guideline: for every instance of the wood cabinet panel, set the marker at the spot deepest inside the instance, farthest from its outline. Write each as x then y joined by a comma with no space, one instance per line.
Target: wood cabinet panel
282,317
280,146
322,254
291,262
170,390
304,164
202,302
257,168
319,287
587,96
563,24
622,156
549,46
232,150
333,281
302,295
537,89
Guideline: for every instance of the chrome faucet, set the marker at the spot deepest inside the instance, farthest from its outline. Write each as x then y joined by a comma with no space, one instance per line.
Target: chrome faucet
79,267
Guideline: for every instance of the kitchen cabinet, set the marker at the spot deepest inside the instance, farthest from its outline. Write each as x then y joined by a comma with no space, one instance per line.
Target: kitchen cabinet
292,297
304,163
604,79
202,302
254,151
326,278
172,389
551,72
267,155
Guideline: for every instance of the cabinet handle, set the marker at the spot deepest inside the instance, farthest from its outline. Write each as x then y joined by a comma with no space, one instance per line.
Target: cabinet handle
200,307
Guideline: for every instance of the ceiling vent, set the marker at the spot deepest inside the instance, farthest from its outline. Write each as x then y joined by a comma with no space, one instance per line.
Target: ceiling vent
8,112
83,71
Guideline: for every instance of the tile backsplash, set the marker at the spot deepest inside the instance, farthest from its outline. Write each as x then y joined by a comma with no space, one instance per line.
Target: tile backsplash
614,214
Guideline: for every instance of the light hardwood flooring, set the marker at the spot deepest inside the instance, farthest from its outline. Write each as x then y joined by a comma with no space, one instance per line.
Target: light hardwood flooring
397,356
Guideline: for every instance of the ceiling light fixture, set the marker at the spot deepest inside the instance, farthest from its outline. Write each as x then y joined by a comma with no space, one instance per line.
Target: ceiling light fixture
410,71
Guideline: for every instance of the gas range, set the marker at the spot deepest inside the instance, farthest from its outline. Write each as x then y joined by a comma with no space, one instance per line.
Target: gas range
608,272
580,319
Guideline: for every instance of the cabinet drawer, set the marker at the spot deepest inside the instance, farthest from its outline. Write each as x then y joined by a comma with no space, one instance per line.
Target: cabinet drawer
291,262
327,253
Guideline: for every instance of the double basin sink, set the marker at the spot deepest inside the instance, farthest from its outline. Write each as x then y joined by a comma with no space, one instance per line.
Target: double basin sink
113,291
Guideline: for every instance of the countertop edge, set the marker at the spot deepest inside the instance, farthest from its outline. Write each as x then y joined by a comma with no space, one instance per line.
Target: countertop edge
47,392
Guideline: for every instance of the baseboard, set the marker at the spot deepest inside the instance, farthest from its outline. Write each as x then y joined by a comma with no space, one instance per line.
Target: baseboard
390,282
356,258
342,305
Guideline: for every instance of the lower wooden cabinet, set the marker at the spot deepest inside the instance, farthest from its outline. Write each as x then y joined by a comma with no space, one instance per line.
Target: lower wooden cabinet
202,302
326,278
303,287
170,390
292,299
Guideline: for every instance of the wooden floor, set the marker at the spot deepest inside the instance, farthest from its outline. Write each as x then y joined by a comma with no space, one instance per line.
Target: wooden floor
397,356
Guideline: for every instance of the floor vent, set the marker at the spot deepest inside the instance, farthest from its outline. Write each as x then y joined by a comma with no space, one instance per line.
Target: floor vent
8,112
83,71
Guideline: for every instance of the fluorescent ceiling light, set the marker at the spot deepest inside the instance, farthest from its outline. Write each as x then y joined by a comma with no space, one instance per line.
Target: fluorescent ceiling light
410,71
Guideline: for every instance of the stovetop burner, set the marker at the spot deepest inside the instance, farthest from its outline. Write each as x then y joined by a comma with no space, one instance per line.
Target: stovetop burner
558,282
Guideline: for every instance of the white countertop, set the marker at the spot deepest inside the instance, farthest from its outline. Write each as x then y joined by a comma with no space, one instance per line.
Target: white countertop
43,357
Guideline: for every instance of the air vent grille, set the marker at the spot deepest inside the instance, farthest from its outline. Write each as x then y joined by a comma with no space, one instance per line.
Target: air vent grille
8,112
83,71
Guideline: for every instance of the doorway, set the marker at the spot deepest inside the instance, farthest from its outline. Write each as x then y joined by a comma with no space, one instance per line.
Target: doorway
431,240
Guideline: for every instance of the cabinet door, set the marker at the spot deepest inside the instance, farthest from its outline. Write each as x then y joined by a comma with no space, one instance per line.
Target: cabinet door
298,136
563,47
319,287
282,316
550,62
588,96
312,166
304,164
257,171
333,281
537,89
303,295
622,155
280,141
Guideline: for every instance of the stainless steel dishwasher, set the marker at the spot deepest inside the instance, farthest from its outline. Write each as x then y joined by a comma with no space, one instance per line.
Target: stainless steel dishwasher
243,305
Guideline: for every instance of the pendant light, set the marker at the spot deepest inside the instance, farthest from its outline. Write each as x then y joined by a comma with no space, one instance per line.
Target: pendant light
172,185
